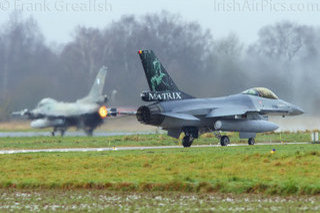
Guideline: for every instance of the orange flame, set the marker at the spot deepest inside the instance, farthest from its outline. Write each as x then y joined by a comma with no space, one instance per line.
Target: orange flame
103,112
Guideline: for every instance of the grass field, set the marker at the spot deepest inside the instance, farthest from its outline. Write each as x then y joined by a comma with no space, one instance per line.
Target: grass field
222,179
291,170
101,200
136,140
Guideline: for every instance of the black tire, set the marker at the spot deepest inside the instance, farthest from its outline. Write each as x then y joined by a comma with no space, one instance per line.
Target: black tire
187,141
224,140
251,141
89,132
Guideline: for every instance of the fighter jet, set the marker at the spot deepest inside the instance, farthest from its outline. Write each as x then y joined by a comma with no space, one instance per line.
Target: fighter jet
86,113
177,112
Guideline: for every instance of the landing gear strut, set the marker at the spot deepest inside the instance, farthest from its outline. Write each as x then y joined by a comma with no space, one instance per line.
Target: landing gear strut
53,133
62,131
89,132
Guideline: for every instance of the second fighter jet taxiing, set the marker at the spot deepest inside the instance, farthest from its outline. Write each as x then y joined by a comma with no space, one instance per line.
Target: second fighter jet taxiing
177,112
86,113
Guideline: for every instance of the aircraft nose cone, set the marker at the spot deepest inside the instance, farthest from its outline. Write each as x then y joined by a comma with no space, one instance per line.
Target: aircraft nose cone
297,110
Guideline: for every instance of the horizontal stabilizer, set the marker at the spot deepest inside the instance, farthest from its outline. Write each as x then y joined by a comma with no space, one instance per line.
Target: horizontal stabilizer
20,113
181,116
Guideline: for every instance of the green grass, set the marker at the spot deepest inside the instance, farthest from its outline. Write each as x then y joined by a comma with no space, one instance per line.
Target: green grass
135,140
83,142
106,201
292,169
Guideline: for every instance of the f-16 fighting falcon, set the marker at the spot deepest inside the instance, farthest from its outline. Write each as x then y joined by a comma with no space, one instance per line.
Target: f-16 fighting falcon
177,112
86,113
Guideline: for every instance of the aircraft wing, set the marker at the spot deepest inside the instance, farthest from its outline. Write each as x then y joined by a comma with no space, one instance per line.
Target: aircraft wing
266,111
226,112
233,111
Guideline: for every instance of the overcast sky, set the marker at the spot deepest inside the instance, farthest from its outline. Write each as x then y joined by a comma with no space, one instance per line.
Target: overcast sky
58,18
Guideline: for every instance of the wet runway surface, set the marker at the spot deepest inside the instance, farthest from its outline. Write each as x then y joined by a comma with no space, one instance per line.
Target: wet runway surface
127,148
72,134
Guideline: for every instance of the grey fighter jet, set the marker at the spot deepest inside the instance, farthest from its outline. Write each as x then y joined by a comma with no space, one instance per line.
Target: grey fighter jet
177,112
86,113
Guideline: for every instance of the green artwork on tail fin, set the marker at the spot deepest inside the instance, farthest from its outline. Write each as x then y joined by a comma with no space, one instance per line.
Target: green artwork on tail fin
157,77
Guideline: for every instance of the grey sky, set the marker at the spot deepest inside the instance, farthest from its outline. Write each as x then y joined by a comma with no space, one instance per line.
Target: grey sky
58,18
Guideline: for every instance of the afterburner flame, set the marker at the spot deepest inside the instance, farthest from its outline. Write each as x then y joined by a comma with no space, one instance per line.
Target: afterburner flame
103,112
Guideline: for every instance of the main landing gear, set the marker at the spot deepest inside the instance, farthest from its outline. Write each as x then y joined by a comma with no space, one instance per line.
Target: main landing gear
89,131
187,141
251,141
224,140
61,130
190,134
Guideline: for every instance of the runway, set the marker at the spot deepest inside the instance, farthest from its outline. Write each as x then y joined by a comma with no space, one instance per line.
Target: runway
129,148
70,134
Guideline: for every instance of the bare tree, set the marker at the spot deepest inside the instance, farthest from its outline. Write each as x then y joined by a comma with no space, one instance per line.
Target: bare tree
284,42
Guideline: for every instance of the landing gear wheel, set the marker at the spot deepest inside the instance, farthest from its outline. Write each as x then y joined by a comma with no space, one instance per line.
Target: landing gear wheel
224,140
53,133
251,141
62,132
187,141
89,132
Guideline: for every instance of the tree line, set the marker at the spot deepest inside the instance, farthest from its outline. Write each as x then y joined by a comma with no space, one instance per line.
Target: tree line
285,58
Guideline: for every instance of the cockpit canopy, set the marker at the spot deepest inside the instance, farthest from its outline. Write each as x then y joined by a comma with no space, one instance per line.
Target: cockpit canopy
46,101
261,92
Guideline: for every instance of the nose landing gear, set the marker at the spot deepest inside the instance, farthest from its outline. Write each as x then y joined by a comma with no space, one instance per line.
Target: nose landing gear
224,140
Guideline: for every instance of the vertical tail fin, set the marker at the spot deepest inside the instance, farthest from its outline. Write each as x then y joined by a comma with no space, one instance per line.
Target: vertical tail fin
95,94
158,78
97,87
